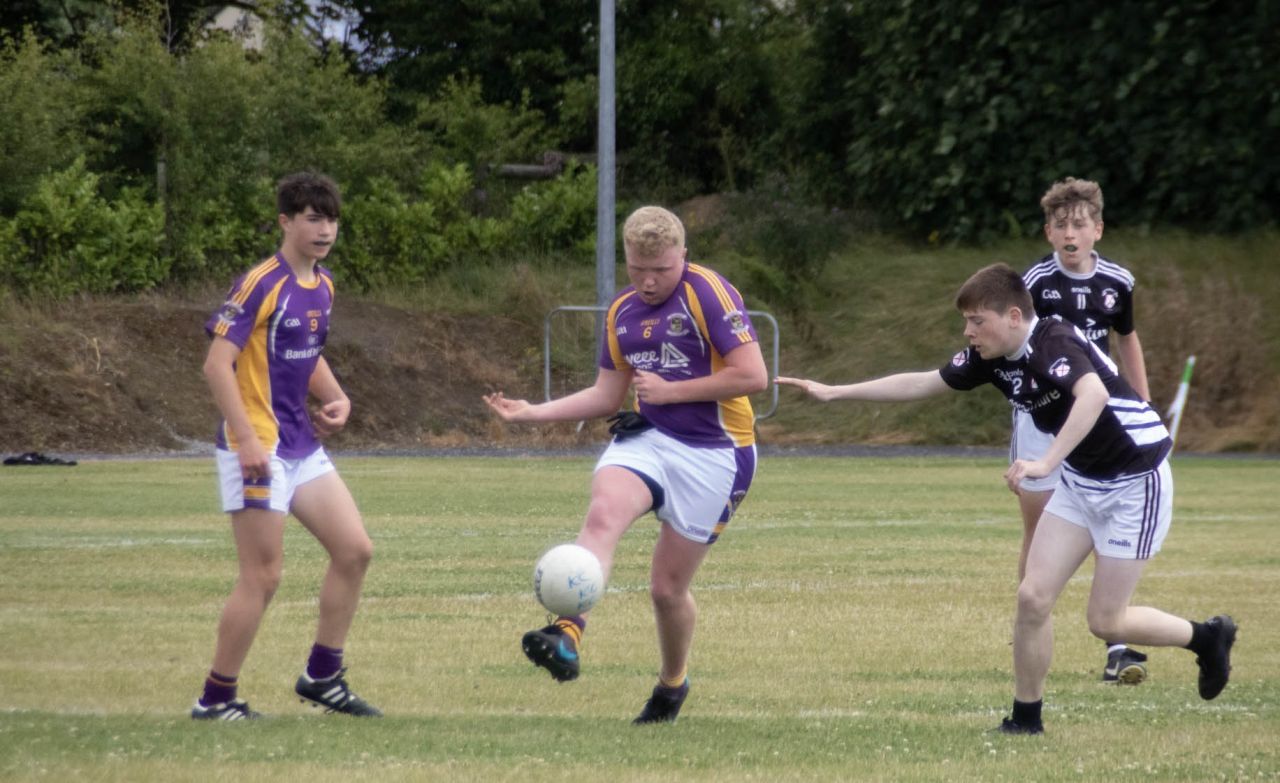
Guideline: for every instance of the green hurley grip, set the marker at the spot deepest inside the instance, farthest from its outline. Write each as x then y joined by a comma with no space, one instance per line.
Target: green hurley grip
1186,371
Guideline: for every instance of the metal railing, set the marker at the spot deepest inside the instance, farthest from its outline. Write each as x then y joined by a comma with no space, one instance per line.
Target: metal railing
546,350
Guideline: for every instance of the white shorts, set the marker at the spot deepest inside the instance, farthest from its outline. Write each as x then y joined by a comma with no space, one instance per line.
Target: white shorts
275,493
700,488
1029,443
1127,517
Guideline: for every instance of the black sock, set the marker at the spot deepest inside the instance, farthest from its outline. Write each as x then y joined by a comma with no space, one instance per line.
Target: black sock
1027,713
1200,638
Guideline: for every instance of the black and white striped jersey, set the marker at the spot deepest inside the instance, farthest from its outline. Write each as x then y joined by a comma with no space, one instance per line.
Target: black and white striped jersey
1128,437
1097,302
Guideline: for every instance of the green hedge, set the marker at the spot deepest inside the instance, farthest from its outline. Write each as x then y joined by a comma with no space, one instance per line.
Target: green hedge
955,116
67,239
945,119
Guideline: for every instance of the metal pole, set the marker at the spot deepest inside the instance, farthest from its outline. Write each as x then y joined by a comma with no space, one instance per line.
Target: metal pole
605,174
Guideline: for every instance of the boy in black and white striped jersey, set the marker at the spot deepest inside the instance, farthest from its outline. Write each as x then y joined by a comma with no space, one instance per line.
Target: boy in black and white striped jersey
1095,294
1115,496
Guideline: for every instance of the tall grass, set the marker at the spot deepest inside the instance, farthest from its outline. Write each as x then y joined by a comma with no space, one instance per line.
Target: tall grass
855,625
888,307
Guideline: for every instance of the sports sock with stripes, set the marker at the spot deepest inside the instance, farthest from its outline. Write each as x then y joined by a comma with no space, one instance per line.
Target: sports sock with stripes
674,683
573,626
324,662
218,689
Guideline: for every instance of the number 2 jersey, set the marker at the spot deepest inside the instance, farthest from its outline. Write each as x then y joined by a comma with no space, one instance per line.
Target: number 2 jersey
687,336
280,325
1128,437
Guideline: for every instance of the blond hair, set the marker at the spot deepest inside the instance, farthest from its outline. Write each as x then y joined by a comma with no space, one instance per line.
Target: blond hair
651,231
1064,197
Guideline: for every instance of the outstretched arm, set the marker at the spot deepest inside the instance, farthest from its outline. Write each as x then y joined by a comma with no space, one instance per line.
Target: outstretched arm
901,387
603,398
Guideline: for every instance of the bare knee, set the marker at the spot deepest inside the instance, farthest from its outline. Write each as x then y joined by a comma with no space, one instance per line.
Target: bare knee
603,525
262,580
667,594
354,558
596,525
1106,626
1034,605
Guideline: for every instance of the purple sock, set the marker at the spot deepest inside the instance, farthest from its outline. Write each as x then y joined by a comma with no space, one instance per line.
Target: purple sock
218,689
324,662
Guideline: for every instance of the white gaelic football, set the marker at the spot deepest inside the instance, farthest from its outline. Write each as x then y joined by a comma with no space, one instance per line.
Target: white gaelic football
568,580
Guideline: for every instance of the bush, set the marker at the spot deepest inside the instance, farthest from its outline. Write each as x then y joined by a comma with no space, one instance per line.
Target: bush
395,239
67,239
41,125
784,247
558,214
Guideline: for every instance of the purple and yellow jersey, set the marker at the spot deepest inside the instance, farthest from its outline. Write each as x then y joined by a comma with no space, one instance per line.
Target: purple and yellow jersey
280,325
685,337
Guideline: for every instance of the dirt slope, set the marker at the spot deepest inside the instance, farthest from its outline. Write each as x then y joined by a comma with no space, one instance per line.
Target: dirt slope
123,377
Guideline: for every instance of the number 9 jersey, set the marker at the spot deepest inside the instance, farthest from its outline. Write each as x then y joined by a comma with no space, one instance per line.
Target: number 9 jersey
280,325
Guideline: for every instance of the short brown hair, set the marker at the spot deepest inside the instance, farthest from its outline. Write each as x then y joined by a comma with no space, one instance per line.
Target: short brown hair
651,231
1065,196
305,189
997,287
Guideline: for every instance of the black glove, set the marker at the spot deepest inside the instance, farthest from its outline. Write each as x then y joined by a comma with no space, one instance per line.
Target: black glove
624,424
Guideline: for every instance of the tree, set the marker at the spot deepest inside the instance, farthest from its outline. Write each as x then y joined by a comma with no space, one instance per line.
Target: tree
62,22
510,47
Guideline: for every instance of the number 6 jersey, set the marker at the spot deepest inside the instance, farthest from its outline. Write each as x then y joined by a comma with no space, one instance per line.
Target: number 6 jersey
687,336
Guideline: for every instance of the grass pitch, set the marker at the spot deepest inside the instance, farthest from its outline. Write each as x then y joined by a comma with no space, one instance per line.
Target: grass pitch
855,625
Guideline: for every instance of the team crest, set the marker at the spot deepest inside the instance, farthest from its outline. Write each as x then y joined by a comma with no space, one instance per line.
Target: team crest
676,325
230,312
1061,368
1109,299
737,324
960,359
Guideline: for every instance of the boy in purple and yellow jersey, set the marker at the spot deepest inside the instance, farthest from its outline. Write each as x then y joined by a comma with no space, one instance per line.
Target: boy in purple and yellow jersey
264,361
679,336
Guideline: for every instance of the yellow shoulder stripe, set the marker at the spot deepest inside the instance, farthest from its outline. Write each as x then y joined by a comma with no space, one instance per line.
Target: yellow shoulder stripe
706,274
251,279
